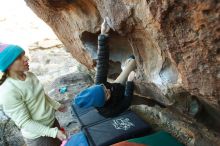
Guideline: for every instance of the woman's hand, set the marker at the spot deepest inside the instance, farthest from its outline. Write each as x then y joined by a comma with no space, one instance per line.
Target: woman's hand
105,28
62,108
131,76
61,135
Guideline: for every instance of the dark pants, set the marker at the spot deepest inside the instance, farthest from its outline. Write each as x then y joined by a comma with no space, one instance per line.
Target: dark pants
44,141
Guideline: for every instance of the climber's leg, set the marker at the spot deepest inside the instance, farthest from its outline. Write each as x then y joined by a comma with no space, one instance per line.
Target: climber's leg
131,65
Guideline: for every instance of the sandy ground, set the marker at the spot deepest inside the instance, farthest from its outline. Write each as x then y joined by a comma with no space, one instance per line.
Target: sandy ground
19,25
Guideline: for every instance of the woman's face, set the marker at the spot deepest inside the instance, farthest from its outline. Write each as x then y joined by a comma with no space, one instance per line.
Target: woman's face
20,64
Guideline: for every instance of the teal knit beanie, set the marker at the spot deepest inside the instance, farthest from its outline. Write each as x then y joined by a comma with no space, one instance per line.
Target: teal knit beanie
8,54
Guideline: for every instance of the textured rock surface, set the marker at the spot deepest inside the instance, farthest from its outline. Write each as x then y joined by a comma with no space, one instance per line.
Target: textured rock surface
185,129
176,44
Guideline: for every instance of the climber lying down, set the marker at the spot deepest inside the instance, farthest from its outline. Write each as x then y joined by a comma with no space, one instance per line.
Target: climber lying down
110,99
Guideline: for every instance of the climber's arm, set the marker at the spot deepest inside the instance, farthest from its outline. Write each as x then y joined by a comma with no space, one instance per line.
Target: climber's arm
103,55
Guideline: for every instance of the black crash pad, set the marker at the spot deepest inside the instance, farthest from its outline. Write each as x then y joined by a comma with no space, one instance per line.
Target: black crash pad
101,131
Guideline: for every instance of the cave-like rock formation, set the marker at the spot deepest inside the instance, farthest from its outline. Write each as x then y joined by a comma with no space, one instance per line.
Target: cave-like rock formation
176,44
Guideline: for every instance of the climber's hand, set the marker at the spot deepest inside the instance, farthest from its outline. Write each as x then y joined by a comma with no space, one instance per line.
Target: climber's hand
105,27
131,76
61,135
62,108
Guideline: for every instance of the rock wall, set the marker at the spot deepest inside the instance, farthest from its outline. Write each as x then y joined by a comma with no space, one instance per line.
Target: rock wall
176,44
